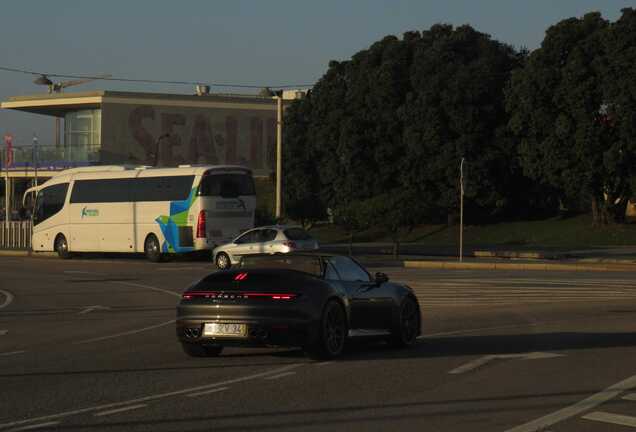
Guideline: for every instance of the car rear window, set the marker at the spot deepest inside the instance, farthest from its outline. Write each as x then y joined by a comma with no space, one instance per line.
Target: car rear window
297,234
303,263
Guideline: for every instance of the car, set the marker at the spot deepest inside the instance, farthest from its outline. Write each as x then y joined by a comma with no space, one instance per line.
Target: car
313,301
267,239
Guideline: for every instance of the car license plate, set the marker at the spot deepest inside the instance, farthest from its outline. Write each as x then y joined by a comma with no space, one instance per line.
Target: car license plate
224,329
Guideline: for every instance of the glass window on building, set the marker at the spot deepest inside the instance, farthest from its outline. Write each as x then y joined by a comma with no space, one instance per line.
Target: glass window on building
82,136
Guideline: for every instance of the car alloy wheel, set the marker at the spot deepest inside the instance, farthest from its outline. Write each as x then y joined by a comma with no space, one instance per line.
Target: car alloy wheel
334,329
222,261
332,332
409,324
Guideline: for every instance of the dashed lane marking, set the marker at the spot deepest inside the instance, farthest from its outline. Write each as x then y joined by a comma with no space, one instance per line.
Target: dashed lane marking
578,408
176,294
145,399
324,363
119,410
127,333
3,332
630,397
207,392
37,426
280,375
8,298
11,353
616,419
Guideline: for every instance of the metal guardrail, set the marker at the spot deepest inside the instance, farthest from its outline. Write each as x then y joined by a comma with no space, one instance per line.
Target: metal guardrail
45,156
16,235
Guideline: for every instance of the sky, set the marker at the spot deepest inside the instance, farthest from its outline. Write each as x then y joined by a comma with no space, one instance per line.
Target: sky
249,42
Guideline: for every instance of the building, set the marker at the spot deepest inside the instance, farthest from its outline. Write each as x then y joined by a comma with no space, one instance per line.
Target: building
113,127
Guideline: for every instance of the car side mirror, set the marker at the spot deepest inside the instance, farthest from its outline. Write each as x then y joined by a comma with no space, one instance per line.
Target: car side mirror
381,278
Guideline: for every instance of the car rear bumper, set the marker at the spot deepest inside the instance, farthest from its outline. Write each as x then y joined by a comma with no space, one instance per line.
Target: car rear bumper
264,332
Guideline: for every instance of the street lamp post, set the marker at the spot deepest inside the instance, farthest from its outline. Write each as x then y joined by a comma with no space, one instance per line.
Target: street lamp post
34,157
279,154
461,210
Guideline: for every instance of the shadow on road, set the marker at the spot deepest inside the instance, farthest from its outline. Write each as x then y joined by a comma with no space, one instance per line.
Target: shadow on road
492,344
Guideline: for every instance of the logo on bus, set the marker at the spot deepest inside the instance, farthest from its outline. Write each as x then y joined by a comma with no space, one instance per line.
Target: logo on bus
89,212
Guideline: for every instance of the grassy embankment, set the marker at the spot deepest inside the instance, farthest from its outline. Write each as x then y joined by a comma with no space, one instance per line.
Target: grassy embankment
572,232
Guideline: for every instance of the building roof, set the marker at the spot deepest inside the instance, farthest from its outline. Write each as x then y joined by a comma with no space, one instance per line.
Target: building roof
57,104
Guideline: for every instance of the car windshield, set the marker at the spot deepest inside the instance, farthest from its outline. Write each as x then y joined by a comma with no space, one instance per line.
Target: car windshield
297,234
304,263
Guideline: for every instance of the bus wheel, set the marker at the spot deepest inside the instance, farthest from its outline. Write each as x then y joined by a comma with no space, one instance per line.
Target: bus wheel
152,249
61,247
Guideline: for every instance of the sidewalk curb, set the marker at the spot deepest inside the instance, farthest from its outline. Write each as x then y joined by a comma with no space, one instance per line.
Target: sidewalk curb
455,265
27,253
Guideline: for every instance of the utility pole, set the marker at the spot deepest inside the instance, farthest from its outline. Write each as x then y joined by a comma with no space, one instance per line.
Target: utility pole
461,210
7,212
8,142
34,157
279,153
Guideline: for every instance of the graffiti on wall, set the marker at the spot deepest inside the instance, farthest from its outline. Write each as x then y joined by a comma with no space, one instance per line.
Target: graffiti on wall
195,136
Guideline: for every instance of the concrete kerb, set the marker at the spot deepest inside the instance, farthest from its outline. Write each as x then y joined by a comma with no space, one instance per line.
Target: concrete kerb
26,253
455,265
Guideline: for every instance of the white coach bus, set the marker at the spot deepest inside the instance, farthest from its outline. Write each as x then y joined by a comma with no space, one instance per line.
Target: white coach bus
139,209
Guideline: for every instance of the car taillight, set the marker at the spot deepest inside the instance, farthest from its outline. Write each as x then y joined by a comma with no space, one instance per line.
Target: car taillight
272,296
290,244
201,222
237,295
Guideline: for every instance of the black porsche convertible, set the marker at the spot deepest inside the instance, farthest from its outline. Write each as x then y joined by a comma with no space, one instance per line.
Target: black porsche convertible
313,301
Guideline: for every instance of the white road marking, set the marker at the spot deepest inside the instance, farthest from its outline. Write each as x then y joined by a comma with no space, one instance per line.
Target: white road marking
37,426
487,359
8,298
630,397
606,417
216,390
11,353
3,332
280,375
82,272
578,408
152,397
119,410
89,309
149,287
325,363
127,333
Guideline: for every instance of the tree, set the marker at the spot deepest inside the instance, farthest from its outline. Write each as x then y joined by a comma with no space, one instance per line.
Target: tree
572,110
455,110
394,121
302,198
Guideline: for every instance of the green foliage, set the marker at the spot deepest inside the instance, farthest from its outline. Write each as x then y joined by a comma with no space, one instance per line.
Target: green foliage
380,137
572,108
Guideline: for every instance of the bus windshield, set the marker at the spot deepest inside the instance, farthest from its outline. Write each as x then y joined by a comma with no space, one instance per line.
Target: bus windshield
226,185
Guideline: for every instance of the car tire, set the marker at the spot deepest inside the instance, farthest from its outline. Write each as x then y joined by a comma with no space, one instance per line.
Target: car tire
222,261
331,336
405,335
152,249
196,350
61,247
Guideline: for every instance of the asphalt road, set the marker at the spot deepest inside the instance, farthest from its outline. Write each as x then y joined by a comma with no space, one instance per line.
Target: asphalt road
89,344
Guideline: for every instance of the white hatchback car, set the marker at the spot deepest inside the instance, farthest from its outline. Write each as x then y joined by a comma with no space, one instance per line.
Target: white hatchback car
268,239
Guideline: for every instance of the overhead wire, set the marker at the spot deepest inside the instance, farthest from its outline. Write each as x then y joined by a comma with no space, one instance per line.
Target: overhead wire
151,81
